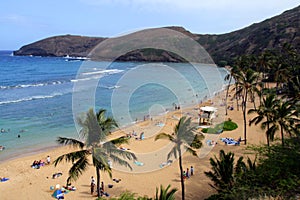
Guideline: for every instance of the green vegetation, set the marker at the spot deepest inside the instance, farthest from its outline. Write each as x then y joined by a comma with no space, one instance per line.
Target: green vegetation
225,173
161,194
276,174
225,126
197,144
277,171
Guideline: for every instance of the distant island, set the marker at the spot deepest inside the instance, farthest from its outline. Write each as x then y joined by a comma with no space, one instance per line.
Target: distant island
223,48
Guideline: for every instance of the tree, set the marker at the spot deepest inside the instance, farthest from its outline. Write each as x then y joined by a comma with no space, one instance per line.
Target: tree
106,124
264,63
246,85
94,144
285,118
265,115
182,138
228,77
165,194
224,173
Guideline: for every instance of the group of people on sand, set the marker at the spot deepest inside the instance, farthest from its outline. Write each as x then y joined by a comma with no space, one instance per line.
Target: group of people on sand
230,107
39,163
188,173
135,135
93,186
231,141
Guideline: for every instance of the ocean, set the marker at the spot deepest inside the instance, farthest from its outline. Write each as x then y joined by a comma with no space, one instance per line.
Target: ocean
41,97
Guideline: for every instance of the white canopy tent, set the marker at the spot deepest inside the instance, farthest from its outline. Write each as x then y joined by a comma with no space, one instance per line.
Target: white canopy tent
207,113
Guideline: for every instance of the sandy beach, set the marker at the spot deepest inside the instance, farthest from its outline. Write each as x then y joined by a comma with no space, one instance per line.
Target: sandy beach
28,183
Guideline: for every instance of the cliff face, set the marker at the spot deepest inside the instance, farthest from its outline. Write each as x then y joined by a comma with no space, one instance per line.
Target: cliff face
269,34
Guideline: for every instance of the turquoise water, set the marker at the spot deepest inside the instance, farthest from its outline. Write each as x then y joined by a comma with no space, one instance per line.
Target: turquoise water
40,97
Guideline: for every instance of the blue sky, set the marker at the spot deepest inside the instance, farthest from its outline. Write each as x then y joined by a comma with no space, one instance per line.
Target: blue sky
23,22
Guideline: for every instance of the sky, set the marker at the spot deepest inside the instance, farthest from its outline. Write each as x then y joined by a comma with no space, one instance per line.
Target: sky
23,22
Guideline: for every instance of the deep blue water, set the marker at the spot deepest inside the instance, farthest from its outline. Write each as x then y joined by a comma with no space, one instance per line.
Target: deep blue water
38,95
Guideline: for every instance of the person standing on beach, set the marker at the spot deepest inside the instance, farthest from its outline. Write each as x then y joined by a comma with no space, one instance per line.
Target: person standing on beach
102,186
48,160
192,170
92,185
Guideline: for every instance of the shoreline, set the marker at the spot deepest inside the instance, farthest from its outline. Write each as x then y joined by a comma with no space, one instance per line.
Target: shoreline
35,183
28,154
204,101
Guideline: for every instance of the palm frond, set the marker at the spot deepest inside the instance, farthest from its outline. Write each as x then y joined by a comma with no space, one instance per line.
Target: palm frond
120,161
190,150
100,160
120,140
71,157
164,136
165,194
111,149
70,141
173,152
78,168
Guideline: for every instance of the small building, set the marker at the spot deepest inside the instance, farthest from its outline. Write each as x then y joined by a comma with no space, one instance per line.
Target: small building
206,115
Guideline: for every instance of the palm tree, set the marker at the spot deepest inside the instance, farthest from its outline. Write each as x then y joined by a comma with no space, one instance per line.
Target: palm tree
265,115
95,144
224,173
182,138
165,194
228,77
106,124
265,63
286,117
246,85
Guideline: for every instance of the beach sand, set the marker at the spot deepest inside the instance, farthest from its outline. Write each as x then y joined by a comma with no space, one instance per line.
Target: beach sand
28,183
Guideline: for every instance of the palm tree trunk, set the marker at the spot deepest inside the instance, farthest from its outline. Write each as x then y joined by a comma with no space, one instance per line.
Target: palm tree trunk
244,103
282,136
253,99
98,181
237,98
268,137
227,95
181,174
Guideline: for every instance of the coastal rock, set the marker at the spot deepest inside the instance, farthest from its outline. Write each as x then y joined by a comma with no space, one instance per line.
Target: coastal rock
59,46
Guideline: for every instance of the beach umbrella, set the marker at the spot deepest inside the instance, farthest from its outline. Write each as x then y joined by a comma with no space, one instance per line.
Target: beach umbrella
208,109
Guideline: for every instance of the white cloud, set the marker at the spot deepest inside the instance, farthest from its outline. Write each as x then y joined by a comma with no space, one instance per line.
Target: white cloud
23,21
14,18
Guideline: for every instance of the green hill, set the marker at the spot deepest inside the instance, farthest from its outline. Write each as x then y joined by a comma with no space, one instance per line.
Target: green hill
269,34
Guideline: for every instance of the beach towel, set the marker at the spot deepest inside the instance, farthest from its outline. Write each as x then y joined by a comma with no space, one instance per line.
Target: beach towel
160,124
4,179
230,141
58,194
169,162
138,163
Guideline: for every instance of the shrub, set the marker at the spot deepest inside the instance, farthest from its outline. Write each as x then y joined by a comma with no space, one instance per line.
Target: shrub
229,126
219,128
197,144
